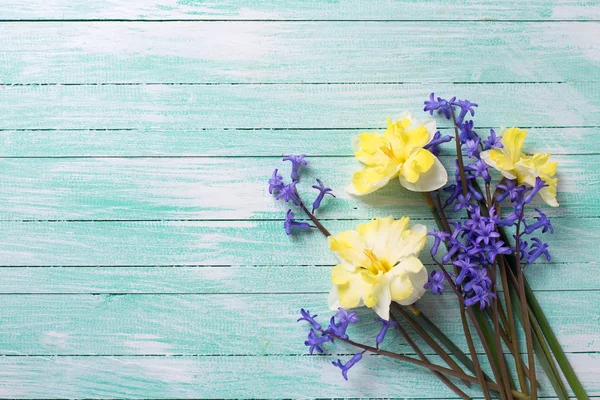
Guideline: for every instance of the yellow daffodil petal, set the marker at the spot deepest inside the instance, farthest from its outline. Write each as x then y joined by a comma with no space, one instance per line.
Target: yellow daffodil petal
375,233
430,125
408,243
350,294
504,159
349,247
378,265
499,160
367,148
400,150
383,299
512,143
419,162
369,179
435,178
400,287
341,275
410,273
539,165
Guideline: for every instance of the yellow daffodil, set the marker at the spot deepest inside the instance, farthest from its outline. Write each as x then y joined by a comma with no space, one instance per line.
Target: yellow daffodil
378,265
514,164
399,153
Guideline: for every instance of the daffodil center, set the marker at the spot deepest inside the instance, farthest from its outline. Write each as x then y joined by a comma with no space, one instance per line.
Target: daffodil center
387,150
376,266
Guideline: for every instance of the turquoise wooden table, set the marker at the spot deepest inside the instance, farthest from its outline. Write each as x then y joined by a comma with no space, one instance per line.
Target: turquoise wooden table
141,255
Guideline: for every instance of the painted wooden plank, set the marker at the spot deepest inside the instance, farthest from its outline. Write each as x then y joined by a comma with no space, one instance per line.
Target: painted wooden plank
298,10
256,324
233,377
235,143
286,106
215,243
236,279
297,52
226,188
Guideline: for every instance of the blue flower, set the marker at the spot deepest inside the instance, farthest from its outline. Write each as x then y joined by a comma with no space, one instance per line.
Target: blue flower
523,249
466,131
434,283
347,317
314,342
539,185
441,105
485,233
494,248
480,168
465,107
538,249
481,296
456,189
338,329
463,202
472,148
478,196
439,237
288,193
479,289
275,182
492,141
322,192
542,222
290,223
310,319
385,325
467,269
511,189
297,161
345,367
508,221
438,139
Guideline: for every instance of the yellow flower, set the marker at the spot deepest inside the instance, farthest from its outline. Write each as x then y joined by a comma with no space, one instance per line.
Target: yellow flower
514,164
399,153
378,265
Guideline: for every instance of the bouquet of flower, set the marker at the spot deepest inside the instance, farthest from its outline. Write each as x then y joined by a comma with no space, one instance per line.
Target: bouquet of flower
486,235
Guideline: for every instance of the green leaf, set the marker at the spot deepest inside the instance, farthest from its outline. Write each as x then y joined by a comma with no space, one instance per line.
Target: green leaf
545,359
557,350
447,342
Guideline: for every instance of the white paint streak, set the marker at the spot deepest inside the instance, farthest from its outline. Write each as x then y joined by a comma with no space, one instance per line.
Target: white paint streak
55,340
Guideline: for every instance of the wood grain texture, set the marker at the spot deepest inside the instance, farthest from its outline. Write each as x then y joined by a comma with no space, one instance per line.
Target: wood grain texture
183,106
298,10
298,52
237,279
254,324
242,142
141,256
245,377
191,188
261,242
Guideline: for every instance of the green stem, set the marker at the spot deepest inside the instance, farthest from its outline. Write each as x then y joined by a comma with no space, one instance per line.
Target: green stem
432,367
428,339
525,311
512,328
557,350
545,359
497,333
549,336
315,221
461,304
542,346
422,356
445,340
